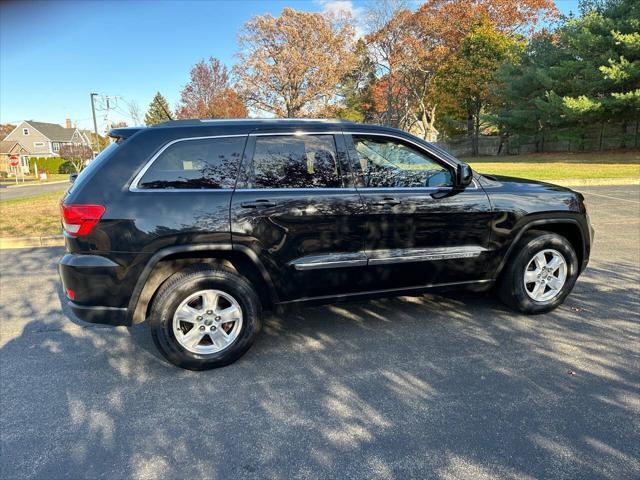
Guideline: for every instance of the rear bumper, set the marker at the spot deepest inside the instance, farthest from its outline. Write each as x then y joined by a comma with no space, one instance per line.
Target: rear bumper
93,283
106,315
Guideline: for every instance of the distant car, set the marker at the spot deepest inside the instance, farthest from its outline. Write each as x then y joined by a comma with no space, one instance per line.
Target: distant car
198,226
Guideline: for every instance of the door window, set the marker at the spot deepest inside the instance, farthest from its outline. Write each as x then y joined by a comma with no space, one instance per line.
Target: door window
387,162
296,161
195,164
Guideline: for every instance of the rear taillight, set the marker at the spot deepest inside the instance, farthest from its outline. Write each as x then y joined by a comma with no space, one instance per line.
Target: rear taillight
79,220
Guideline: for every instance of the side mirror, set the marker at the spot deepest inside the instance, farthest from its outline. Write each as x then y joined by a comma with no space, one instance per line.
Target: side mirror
464,175
72,177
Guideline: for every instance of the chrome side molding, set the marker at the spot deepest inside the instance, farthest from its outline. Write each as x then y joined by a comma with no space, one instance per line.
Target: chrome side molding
401,255
382,257
330,260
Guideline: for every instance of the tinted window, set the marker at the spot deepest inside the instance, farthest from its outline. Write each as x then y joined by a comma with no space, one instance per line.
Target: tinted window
93,165
205,163
385,162
302,161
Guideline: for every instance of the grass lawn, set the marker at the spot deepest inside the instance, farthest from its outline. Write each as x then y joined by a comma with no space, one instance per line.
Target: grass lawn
562,166
54,177
31,216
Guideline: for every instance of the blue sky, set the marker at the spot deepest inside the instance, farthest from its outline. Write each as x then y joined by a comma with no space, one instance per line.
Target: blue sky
54,53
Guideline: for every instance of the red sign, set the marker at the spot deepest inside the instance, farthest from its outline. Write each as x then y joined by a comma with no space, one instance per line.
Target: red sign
13,160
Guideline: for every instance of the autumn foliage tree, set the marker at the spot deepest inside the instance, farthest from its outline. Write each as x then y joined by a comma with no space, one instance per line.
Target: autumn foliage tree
291,65
76,154
209,93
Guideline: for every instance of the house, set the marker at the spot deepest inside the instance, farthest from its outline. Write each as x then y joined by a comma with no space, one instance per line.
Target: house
40,139
11,150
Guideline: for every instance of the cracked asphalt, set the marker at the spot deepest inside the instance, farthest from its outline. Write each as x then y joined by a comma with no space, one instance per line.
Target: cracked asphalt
450,387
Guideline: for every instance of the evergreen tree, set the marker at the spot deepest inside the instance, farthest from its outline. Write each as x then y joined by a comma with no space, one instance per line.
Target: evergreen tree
158,111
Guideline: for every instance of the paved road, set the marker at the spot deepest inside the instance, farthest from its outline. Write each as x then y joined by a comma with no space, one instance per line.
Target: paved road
19,192
432,387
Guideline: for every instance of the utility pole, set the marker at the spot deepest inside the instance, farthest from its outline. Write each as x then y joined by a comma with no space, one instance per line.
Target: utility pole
95,124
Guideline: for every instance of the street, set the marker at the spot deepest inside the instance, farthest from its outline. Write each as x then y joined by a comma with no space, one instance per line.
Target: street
26,191
453,386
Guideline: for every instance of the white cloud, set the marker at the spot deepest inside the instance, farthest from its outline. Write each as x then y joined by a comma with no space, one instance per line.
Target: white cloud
337,7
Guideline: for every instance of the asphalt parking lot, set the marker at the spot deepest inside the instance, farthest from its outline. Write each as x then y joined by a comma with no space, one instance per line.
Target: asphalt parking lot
452,387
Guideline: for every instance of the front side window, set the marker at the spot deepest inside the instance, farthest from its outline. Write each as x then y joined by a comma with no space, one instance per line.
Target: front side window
296,161
25,131
56,147
209,163
386,162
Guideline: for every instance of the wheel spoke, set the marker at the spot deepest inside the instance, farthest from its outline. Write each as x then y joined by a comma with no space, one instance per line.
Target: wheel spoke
538,290
187,314
555,263
209,300
541,260
219,338
192,337
530,276
229,314
555,283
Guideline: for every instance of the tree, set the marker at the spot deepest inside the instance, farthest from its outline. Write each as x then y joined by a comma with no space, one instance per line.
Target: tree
134,112
388,22
585,74
158,111
6,129
291,65
209,93
76,154
606,85
483,52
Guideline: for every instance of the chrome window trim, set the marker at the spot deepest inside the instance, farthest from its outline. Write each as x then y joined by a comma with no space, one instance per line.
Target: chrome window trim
133,187
134,183
295,133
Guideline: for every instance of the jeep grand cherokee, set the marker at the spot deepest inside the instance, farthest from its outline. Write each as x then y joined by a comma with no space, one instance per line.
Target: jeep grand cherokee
198,226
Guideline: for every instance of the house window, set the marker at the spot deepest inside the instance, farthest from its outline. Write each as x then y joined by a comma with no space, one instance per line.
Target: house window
25,131
56,147
38,144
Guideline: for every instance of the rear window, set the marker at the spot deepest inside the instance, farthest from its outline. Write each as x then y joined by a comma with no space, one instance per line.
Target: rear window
209,163
93,165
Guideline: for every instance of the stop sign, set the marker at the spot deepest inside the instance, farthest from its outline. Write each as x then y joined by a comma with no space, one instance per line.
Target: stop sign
13,160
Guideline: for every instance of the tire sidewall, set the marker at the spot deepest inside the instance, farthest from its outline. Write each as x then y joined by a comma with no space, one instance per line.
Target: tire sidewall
164,307
532,246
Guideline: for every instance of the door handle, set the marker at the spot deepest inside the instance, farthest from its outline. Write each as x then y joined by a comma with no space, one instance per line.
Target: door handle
387,201
258,203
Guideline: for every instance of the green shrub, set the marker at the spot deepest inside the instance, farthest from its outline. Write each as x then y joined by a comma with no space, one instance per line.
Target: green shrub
51,164
67,167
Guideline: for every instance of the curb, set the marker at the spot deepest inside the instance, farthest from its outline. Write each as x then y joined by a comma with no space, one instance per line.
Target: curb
36,184
32,242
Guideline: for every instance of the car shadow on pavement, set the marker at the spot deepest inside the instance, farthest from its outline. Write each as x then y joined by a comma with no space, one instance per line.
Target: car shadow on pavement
433,386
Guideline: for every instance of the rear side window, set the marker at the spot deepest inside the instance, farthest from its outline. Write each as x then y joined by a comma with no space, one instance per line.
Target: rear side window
208,163
297,161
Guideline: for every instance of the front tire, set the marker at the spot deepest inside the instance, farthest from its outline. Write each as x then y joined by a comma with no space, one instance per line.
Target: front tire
204,317
540,274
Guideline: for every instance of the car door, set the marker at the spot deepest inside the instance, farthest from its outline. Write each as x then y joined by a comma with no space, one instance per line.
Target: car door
293,207
419,229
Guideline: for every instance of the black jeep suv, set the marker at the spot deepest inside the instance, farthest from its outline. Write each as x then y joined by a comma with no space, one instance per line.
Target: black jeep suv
197,226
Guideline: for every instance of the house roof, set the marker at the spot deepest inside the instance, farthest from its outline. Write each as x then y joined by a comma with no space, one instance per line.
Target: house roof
53,131
6,146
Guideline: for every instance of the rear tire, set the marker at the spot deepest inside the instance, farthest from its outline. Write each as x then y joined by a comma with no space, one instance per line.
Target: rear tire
540,273
188,321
